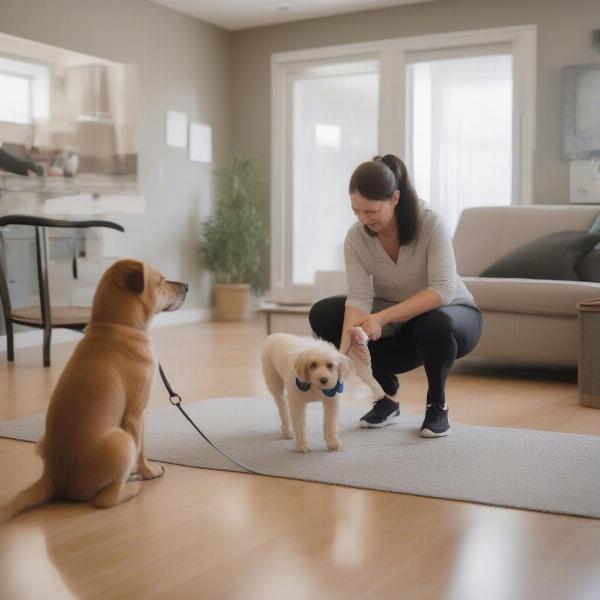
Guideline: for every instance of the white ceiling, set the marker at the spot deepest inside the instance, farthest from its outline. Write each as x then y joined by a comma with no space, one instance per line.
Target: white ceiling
234,15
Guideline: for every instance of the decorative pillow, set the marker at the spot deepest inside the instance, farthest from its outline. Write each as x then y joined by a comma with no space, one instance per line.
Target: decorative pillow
589,266
554,256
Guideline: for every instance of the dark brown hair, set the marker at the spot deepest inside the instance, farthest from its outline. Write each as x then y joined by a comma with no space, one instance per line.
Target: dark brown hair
378,179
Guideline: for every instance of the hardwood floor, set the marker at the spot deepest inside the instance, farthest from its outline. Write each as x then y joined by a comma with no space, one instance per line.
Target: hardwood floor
210,534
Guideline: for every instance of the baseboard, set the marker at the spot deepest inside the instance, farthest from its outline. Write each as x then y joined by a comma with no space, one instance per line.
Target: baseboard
34,337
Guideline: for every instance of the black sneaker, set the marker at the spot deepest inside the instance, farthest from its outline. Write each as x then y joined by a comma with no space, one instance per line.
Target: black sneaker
436,421
384,412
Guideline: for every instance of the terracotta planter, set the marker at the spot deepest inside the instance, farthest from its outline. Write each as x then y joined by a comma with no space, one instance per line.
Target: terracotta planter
232,301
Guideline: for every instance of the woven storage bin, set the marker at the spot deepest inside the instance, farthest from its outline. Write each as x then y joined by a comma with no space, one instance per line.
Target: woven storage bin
589,353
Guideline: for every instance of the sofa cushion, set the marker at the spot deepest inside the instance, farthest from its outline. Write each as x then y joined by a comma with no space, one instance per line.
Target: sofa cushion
589,266
530,296
485,234
553,256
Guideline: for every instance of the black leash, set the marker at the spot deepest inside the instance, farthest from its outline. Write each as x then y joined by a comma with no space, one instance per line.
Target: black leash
175,400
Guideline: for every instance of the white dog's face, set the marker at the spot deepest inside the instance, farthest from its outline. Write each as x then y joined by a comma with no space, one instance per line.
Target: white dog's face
322,366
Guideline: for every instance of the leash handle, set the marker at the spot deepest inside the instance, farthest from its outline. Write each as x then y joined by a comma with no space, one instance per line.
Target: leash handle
175,400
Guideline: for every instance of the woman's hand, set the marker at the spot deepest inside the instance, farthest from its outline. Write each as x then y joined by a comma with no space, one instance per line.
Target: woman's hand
372,325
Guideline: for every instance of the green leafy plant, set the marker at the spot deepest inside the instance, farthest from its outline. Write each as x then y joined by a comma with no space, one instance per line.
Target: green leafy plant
234,238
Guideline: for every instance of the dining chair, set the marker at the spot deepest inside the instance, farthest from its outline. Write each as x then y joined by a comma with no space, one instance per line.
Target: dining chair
42,316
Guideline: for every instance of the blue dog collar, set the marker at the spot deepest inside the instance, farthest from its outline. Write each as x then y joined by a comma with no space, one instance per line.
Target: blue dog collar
303,386
338,389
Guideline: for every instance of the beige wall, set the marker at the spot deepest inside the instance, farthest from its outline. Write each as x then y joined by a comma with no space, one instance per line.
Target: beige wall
564,37
183,64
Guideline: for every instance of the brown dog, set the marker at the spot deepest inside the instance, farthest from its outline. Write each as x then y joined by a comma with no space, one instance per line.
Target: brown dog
94,426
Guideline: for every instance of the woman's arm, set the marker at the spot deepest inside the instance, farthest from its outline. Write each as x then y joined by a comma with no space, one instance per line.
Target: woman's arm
359,301
352,314
416,305
422,302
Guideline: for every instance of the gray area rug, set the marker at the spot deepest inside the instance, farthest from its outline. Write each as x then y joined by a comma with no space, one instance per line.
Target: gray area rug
519,468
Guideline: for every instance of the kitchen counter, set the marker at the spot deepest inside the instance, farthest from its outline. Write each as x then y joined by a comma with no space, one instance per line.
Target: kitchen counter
83,195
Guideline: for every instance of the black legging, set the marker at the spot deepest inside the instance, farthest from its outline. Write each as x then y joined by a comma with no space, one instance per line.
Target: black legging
434,339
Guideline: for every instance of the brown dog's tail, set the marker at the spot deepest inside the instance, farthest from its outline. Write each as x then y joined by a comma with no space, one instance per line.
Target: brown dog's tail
41,492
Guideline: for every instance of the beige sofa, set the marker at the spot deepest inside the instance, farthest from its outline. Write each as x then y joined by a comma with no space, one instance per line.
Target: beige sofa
524,320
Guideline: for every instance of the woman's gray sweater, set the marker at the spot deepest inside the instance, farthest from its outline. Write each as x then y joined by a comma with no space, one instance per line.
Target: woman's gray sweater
376,282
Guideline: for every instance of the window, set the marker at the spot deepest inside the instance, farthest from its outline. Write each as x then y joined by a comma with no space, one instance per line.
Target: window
459,108
24,91
461,132
334,127
15,98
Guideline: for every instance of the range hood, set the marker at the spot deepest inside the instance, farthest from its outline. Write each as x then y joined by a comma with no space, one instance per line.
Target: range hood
95,102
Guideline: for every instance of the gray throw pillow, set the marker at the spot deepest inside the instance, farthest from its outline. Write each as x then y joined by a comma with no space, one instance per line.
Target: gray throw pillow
554,256
589,266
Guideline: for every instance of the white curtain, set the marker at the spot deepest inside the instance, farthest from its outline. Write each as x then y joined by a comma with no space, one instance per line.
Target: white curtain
462,133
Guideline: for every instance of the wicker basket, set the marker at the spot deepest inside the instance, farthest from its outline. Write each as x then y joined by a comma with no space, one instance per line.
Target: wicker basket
589,353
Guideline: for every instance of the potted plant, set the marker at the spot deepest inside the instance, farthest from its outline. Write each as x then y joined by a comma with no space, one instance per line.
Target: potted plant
234,238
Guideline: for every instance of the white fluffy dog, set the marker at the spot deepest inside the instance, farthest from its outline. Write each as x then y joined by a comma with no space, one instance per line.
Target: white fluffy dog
310,371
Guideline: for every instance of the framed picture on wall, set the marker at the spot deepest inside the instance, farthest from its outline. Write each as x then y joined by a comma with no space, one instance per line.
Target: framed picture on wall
581,111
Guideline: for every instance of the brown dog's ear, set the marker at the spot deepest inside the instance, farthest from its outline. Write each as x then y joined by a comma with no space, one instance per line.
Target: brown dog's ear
301,365
344,366
130,275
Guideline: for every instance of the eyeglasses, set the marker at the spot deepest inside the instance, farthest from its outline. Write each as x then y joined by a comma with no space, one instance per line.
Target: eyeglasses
371,212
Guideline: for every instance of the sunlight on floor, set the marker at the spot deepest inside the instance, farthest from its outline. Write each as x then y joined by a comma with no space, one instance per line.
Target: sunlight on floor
25,558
